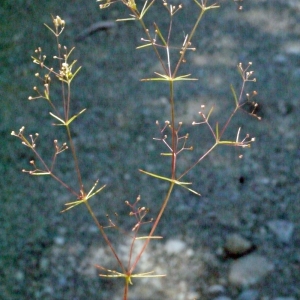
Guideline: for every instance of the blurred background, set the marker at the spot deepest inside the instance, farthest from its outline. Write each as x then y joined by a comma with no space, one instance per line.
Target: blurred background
252,203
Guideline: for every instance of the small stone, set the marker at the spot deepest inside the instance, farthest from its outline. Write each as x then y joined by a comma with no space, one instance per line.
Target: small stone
222,298
216,289
292,48
19,275
249,270
44,264
175,246
280,59
249,295
236,245
282,229
59,240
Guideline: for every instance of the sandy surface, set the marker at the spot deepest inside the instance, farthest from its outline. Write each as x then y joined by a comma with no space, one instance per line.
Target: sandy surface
48,255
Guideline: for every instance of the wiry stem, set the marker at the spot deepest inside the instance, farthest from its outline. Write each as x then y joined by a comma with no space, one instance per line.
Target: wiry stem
155,224
104,235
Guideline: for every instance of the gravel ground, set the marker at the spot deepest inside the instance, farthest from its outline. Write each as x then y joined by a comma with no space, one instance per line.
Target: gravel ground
239,240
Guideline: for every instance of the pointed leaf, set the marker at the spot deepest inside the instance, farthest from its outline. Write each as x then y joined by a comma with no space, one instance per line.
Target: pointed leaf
209,113
39,173
74,117
128,19
148,237
59,119
234,95
144,46
158,32
50,29
180,183
217,132
74,74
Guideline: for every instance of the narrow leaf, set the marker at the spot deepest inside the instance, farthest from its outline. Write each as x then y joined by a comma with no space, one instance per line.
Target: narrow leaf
59,119
160,35
182,184
144,46
148,237
209,113
74,117
39,173
217,131
234,95
128,19
50,29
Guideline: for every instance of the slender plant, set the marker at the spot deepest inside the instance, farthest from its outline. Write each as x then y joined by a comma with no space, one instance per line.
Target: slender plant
171,58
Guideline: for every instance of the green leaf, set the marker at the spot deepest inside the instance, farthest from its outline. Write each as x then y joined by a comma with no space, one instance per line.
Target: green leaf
63,123
59,119
182,184
217,132
234,95
75,116
168,78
